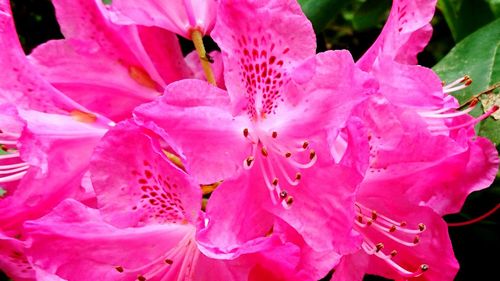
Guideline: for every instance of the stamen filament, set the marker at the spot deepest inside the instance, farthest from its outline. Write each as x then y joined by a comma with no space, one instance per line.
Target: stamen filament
13,177
10,155
197,38
12,166
14,170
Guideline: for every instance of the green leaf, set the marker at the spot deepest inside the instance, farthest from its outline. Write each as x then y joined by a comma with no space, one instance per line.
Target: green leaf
372,13
466,16
2,192
321,12
107,2
478,56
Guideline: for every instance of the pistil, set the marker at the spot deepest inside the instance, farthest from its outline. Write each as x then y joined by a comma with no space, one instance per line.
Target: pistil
205,60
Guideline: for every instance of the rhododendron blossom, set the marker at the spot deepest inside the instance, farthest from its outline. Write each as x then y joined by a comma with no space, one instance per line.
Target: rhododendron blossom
269,136
125,157
150,210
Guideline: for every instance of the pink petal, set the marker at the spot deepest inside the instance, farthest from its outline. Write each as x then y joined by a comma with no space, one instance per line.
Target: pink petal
130,45
194,118
257,50
54,174
74,238
13,260
404,35
149,188
410,86
439,170
179,16
20,84
94,79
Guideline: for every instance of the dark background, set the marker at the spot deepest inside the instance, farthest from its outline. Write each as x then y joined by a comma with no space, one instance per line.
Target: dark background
477,246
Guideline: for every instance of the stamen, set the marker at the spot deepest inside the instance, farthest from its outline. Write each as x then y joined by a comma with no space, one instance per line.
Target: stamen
470,123
283,194
305,145
119,269
13,177
312,154
9,156
288,155
274,134
264,152
275,181
379,247
14,170
249,161
245,132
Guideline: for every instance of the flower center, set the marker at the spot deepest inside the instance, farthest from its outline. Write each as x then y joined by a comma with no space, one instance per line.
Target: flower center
280,161
371,224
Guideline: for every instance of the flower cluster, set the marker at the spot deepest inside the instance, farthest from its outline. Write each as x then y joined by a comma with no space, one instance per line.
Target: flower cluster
125,160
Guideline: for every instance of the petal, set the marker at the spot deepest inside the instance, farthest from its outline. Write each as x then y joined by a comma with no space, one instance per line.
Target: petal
149,189
439,170
250,223
323,92
352,267
20,84
54,174
178,16
13,260
404,35
130,45
410,86
257,50
94,79
73,239
195,119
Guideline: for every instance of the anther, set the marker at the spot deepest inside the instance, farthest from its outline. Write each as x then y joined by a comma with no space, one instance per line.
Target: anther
283,194
394,253
249,161
467,80
312,154
298,176
274,134
424,267
374,215
305,145
402,224
141,278
421,226
289,200
393,228
119,269
288,154
369,222
275,181
416,239
264,151
245,132
3,147
379,247
360,219
167,261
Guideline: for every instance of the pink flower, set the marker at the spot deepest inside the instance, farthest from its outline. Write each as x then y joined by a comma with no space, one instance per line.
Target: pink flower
432,147
178,16
145,226
108,68
37,134
400,241
424,158
269,136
